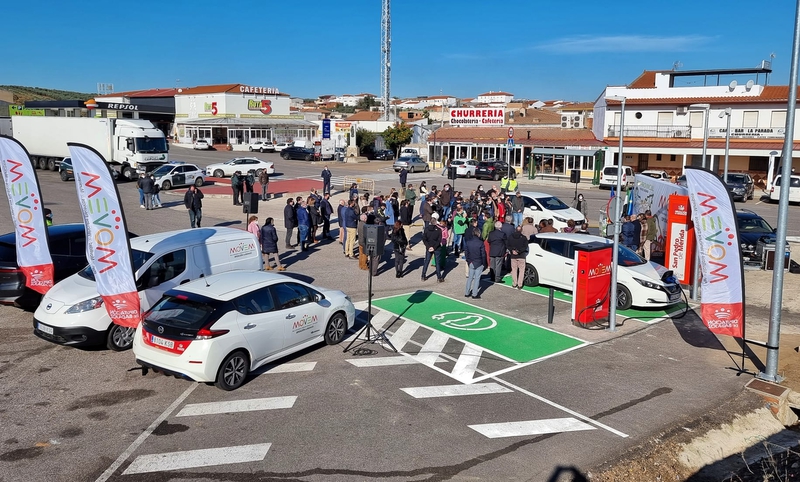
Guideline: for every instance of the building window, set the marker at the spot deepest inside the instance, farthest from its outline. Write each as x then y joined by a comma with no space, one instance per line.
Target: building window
750,118
658,157
673,158
778,119
758,164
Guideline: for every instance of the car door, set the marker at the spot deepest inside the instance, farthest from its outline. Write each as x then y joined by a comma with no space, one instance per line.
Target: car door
553,265
179,176
260,324
302,315
531,209
162,274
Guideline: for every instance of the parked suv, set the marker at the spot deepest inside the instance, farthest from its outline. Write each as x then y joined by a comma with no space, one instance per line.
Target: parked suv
493,170
608,178
752,229
741,186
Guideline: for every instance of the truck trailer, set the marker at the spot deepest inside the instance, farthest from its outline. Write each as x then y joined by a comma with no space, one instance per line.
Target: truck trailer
128,145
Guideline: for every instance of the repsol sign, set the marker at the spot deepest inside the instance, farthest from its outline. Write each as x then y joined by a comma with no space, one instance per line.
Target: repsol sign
117,106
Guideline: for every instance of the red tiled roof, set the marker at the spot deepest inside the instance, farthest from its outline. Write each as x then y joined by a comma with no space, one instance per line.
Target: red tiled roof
365,115
771,94
533,116
647,80
579,106
539,136
216,89
495,93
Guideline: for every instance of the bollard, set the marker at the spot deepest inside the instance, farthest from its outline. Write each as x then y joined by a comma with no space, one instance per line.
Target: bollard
550,308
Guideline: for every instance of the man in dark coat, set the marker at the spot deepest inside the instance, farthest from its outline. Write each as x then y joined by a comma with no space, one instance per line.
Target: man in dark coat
326,210
475,256
326,181
148,188
432,239
193,200
518,250
403,179
236,187
289,220
497,251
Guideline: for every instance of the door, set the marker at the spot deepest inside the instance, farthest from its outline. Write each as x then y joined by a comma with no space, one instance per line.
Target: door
532,209
302,316
260,324
164,273
179,176
553,266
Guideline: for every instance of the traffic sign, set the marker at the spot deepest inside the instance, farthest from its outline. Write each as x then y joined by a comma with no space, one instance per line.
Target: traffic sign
510,132
510,143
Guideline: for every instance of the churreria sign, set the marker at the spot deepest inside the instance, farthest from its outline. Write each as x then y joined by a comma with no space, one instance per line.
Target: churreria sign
477,117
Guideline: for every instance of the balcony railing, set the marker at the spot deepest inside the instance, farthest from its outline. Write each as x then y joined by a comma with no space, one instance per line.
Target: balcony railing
672,132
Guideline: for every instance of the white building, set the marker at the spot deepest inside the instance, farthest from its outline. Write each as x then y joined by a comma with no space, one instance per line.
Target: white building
494,99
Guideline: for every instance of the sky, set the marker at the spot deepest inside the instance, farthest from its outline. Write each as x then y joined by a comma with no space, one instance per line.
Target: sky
534,49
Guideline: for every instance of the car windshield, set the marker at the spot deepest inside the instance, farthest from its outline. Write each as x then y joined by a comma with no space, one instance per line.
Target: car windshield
457,163
654,175
610,171
552,203
627,257
181,312
753,225
139,259
151,145
163,170
738,178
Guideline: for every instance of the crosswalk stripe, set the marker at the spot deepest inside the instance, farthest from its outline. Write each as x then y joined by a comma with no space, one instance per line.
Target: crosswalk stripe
233,406
455,390
430,351
400,337
383,361
530,427
290,367
380,319
197,458
467,363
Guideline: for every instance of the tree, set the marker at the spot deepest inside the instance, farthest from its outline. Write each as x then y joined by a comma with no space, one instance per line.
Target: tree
365,140
397,136
366,103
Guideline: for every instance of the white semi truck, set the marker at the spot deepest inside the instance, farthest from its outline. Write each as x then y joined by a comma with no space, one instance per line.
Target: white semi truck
128,145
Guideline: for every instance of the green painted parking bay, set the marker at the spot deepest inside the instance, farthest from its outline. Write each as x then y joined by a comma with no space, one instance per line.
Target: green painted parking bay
506,336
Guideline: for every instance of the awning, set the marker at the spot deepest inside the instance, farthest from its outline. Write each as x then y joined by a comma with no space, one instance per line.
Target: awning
565,152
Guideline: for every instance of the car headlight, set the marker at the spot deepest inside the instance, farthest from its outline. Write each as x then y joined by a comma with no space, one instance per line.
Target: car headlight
649,284
86,305
561,220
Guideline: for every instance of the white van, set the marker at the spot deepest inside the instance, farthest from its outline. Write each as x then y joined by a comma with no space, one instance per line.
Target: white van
72,312
794,190
608,177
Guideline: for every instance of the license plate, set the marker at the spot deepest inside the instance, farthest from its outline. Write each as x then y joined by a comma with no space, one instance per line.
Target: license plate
45,328
675,297
162,342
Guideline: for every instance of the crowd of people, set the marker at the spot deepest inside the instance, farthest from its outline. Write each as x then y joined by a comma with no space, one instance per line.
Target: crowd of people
639,232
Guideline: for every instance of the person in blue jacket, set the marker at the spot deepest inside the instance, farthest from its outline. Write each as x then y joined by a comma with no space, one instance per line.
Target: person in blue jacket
303,225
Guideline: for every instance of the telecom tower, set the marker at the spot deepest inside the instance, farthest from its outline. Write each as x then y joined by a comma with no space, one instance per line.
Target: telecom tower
386,56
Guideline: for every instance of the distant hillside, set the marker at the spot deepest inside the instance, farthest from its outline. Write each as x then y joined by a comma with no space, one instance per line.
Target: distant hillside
23,94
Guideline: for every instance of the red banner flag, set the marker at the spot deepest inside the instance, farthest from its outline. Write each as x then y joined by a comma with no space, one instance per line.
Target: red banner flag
27,213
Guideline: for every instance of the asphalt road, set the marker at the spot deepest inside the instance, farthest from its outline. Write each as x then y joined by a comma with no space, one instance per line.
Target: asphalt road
327,415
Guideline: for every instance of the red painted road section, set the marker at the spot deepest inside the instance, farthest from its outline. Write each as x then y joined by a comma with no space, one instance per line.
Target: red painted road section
223,186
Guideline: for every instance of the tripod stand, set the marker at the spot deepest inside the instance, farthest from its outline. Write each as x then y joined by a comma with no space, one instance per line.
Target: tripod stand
371,334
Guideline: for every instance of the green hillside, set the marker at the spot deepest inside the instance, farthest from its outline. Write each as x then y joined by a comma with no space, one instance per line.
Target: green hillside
23,94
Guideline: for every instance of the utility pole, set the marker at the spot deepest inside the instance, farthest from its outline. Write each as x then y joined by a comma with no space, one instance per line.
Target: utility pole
386,56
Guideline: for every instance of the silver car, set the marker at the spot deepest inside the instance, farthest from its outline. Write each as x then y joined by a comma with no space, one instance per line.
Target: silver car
412,163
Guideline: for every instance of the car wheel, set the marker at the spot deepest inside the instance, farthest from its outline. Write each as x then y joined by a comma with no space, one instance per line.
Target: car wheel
250,149
744,199
336,329
309,158
469,174
219,173
262,150
128,173
51,164
411,169
285,156
624,298
199,182
495,177
531,277
42,163
120,338
233,371
166,186
64,176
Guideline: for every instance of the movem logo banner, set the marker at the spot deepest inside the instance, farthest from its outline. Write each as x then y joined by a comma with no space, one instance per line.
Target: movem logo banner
27,212
107,246
714,217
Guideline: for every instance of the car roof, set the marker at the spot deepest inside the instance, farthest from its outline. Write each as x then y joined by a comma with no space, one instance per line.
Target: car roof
582,238
230,284
744,213
536,194
170,240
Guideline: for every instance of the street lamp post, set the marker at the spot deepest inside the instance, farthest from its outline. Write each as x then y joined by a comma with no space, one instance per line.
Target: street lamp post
612,305
693,291
727,112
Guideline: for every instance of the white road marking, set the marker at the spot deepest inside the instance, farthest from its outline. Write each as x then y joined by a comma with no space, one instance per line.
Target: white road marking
467,363
289,367
233,406
197,458
430,351
382,362
401,336
455,390
530,427
141,438
380,319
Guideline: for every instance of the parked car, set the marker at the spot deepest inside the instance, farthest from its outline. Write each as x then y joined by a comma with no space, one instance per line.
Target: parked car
244,164
656,174
65,169
67,244
741,186
73,313
539,205
176,173
384,155
492,169
464,167
201,145
282,145
752,229
608,177
219,329
640,283
681,181
794,189
301,153
339,153
412,163
261,146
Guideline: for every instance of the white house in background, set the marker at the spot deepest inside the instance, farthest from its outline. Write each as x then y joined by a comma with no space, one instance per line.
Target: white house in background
350,100
438,100
494,99
665,123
